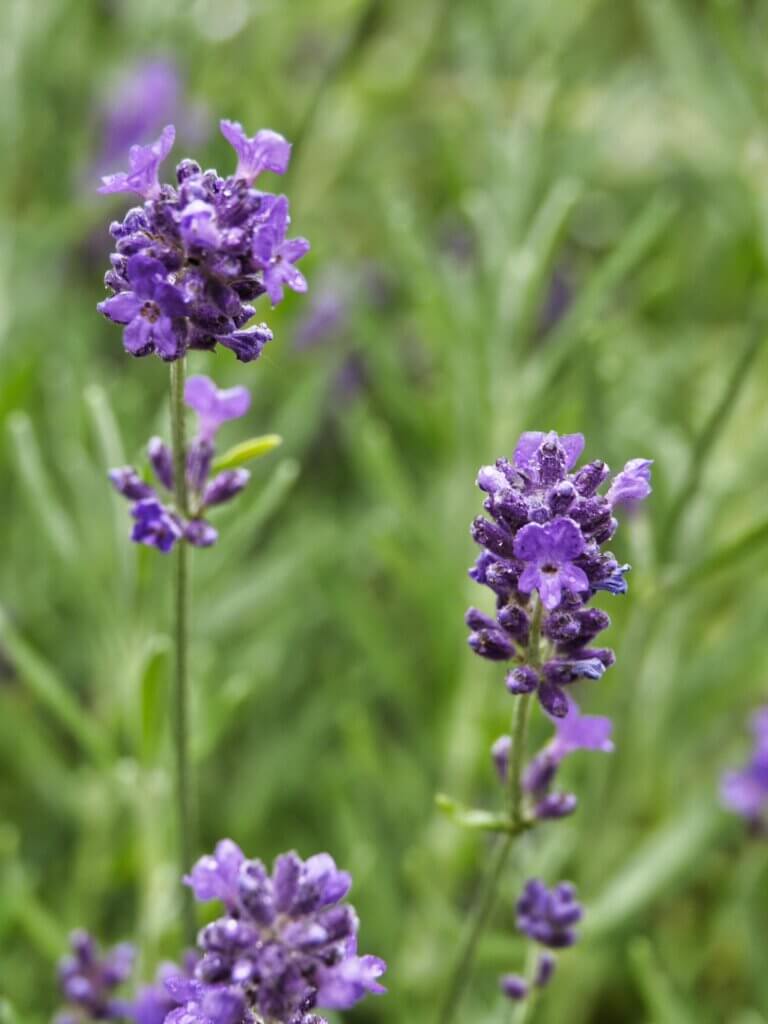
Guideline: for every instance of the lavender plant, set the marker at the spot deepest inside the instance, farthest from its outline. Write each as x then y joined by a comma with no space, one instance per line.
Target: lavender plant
543,559
187,263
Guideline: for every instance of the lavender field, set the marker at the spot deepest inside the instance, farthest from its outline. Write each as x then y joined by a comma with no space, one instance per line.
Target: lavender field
506,353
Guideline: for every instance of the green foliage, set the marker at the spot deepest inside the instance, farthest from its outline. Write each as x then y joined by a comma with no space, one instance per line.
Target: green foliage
451,161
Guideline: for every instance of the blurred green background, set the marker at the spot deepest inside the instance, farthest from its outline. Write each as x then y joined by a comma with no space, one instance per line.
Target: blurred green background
525,214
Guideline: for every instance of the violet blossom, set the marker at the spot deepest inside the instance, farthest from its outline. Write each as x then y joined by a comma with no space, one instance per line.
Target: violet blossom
286,944
744,791
189,261
158,523
543,543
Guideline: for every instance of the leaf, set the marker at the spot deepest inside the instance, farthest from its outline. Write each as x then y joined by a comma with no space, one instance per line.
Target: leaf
474,818
246,451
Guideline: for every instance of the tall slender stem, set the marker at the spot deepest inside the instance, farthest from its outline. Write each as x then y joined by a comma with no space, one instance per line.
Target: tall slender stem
487,896
181,628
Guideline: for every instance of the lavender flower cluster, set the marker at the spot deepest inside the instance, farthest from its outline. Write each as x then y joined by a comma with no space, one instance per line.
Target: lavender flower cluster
547,917
190,260
545,536
286,944
158,524
745,790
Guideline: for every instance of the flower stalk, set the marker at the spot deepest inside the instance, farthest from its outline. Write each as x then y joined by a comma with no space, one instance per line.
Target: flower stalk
182,781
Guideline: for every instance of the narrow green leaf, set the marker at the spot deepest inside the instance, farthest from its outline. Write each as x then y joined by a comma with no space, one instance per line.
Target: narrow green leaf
665,856
663,1003
153,687
52,692
472,817
246,451
36,483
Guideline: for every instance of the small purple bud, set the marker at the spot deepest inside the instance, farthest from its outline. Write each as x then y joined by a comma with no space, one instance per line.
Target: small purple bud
476,619
225,486
545,968
553,699
127,482
514,987
200,534
492,644
492,537
161,460
589,477
514,620
561,497
490,479
556,805
550,460
523,679
500,753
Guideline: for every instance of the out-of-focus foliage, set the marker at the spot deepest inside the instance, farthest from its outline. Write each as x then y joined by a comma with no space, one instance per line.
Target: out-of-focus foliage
534,215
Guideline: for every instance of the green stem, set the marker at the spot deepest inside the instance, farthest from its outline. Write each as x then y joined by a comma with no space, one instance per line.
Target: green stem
181,621
489,892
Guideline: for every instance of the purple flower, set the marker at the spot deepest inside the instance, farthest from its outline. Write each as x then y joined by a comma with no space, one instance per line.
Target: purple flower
152,310
548,553
288,942
144,164
265,151
547,456
632,485
514,987
215,244
548,915
277,255
745,791
155,526
580,732
213,405
87,978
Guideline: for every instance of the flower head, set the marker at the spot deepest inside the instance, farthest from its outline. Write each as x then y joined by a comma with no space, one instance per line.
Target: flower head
189,261
547,915
287,943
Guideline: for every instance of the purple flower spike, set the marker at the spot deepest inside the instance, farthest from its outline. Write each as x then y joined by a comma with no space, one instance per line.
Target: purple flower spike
214,406
144,164
632,485
87,978
265,151
277,255
548,552
152,310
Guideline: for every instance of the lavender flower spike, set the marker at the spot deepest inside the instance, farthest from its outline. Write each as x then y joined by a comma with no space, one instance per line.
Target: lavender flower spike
213,405
88,978
144,164
286,944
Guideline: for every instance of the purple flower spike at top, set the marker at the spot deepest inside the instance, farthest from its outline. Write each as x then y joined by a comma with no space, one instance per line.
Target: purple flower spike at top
287,943
547,915
213,405
210,246
265,151
144,162
548,553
